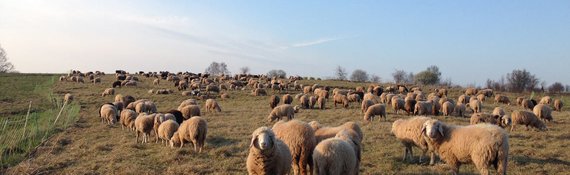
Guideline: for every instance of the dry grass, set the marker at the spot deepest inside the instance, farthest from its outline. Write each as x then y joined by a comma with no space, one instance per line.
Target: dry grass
94,148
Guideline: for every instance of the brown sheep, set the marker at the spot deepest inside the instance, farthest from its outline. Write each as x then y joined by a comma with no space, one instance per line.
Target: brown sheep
212,105
273,101
287,99
372,111
409,104
527,104
300,138
502,99
526,118
340,99
192,130
558,105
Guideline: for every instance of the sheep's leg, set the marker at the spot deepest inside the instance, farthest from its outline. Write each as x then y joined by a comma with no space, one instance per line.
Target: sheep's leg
432,158
405,154
411,153
137,137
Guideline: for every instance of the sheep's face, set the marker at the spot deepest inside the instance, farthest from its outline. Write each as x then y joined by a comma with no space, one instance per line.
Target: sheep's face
433,129
264,141
505,121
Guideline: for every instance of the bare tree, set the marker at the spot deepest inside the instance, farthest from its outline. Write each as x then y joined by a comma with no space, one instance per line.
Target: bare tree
340,73
410,78
556,87
5,66
520,80
276,73
244,70
431,75
216,68
399,76
359,75
375,78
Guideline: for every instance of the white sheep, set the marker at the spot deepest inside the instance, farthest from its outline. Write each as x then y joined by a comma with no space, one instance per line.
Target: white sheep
284,110
558,105
526,118
447,108
108,91
127,119
212,105
192,130
166,130
108,113
144,125
300,138
268,154
409,132
353,129
335,156
372,111
190,111
543,111
482,144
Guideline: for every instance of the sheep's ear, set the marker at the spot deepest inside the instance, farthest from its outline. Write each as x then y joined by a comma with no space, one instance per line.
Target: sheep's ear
440,129
423,129
253,140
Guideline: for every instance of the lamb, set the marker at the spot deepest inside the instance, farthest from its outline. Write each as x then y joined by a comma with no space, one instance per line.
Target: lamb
108,113
340,99
166,130
408,131
545,100
108,91
447,108
273,101
127,119
267,154
212,105
321,102
558,105
475,105
372,111
192,130
284,110
144,125
482,144
526,118
335,156
502,99
300,138
398,104
312,102
67,98
365,104
543,112
287,99
190,111
460,110
409,104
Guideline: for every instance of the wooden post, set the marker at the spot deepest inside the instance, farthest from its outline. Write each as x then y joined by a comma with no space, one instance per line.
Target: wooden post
60,111
26,123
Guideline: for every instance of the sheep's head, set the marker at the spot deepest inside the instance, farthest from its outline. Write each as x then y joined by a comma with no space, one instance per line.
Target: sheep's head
505,121
432,128
315,125
262,138
174,140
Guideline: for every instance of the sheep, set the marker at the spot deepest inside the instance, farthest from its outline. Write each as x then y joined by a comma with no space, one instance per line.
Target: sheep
158,120
543,111
558,105
435,108
370,96
287,99
475,105
460,109
192,130
526,118
284,110
116,84
300,138
398,104
321,102
108,91
144,125
527,104
143,105
186,93
67,98
470,91
481,144
324,94
212,105
423,108
156,81
498,111
190,111
259,92
186,103
408,131
365,104
481,97
127,119
273,101
353,98
409,104
166,130
306,89
477,118
322,132
304,101
372,111
340,99
447,108
212,88
502,99
545,100
108,113
312,102
335,156
267,154
463,99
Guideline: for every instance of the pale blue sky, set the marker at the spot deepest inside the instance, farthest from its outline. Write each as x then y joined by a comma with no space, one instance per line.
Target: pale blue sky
469,40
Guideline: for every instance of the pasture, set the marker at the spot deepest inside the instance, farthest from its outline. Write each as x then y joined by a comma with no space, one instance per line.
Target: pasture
91,147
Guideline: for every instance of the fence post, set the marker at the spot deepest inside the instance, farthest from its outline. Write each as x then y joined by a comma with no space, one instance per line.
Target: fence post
60,111
26,123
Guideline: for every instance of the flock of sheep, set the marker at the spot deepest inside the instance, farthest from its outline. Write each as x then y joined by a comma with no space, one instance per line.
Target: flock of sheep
301,147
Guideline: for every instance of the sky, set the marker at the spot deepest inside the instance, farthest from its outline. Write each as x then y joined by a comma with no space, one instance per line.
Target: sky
470,41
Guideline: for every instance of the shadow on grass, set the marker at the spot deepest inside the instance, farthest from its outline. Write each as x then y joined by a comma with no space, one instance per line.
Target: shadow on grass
523,160
221,141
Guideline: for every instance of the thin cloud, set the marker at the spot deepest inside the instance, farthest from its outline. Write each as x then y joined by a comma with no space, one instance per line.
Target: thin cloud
315,42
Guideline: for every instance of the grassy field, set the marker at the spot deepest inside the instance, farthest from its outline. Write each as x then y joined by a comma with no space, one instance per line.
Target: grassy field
90,147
